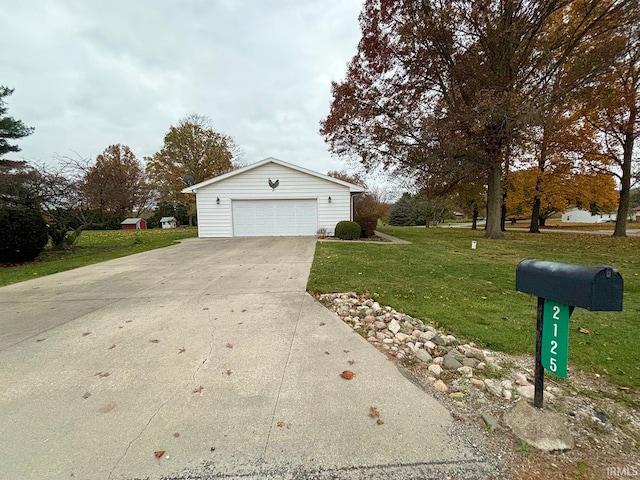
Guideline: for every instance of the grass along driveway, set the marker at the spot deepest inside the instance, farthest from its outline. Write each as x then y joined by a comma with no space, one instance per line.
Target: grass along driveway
471,293
94,246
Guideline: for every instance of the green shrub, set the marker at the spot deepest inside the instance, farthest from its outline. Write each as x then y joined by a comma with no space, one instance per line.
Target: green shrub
24,232
347,230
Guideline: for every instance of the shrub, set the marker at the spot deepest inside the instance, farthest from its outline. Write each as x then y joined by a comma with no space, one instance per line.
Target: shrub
367,212
348,230
24,231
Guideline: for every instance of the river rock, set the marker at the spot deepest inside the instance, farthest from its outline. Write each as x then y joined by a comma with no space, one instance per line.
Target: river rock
423,356
394,326
450,362
402,337
493,386
440,386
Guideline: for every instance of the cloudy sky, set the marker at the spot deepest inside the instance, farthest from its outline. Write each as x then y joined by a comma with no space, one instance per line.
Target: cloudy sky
88,74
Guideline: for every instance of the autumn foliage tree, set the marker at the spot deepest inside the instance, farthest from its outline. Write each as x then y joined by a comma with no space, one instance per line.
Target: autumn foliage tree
558,188
614,110
441,87
115,185
192,152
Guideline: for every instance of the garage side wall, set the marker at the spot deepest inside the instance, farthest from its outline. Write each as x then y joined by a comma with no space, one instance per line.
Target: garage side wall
216,220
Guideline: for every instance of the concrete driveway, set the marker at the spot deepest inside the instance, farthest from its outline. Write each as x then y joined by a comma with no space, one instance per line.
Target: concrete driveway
212,352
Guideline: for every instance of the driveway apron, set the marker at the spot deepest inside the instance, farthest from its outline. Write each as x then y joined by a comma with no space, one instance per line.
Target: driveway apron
202,360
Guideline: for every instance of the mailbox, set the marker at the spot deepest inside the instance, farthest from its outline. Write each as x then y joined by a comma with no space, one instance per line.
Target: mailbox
592,288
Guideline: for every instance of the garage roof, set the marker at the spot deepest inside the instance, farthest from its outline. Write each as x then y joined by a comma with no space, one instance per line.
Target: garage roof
194,188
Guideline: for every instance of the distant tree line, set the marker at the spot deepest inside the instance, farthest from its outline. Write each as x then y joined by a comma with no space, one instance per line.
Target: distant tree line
57,201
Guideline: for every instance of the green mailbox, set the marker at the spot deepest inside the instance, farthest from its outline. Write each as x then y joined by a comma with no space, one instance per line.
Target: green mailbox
560,287
591,288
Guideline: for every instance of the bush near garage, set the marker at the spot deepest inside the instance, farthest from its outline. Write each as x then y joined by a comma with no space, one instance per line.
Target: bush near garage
367,211
346,230
25,233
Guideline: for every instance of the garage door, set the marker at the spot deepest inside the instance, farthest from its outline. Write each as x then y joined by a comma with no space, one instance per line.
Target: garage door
270,218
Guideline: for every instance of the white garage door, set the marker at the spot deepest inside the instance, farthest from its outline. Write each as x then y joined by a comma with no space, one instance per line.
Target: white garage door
272,218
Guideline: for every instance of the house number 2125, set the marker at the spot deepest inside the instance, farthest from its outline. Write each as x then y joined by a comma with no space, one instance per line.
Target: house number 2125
555,338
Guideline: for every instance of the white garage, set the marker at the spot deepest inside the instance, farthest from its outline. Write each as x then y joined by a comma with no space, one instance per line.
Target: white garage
272,198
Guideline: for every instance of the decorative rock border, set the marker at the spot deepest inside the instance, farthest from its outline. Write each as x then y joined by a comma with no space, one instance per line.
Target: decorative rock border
451,363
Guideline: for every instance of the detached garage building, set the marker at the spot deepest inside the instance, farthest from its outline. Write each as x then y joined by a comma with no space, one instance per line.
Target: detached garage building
272,198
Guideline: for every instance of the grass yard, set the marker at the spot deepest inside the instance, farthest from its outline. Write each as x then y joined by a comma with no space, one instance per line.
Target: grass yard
93,247
471,293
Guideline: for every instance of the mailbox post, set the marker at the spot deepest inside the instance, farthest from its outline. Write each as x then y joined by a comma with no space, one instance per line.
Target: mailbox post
560,287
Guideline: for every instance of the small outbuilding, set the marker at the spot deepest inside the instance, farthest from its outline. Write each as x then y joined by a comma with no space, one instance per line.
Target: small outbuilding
272,198
168,222
134,224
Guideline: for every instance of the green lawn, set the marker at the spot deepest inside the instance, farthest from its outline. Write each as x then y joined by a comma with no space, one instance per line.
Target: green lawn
471,293
94,247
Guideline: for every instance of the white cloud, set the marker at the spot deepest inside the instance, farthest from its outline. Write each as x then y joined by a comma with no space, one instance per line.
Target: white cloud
90,74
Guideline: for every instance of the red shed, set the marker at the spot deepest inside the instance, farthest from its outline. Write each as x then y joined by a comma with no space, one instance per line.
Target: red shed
134,224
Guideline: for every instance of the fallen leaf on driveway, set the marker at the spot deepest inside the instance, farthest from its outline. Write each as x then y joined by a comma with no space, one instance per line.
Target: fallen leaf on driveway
176,435
327,353
101,374
351,362
182,350
347,375
198,390
379,422
86,333
86,395
373,412
159,453
229,345
322,324
155,340
281,424
107,408
229,372
112,346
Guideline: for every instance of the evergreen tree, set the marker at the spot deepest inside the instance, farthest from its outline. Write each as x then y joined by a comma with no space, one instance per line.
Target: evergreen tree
10,128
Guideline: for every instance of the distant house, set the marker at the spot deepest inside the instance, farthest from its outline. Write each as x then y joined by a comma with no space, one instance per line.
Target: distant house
134,224
168,222
576,215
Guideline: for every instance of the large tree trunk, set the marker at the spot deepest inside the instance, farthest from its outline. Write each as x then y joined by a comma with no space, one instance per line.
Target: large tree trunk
625,188
494,203
474,221
535,216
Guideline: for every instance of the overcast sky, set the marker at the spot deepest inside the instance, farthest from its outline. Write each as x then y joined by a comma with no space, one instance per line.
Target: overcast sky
88,74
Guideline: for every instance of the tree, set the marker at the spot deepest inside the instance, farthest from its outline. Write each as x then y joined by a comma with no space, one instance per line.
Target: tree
192,152
24,231
368,206
447,87
116,185
404,212
614,110
558,188
10,129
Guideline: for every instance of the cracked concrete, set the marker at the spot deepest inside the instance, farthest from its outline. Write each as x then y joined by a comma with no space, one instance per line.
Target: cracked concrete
102,366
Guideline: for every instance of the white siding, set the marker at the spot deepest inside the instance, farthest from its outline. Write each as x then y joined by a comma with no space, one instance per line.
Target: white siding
215,220
575,215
